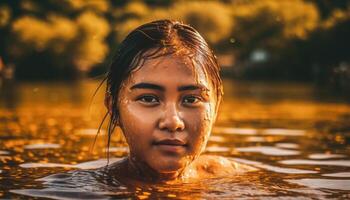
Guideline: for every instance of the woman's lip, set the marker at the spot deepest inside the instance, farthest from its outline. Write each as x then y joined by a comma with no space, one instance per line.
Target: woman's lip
170,142
171,149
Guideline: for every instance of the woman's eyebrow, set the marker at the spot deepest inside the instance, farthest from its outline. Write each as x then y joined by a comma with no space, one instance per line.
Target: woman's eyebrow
147,86
161,88
192,87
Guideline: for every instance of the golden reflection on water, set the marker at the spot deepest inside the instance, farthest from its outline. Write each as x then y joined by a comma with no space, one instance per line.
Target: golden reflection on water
55,123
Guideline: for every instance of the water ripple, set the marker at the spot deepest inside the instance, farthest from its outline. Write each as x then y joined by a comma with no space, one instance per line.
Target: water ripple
85,165
61,195
89,132
267,150
285,132
235,131
42,146
339,174
118,149
344,163
215,138
4,152
274,168
217,149
325,156
323,183
255,139
287,145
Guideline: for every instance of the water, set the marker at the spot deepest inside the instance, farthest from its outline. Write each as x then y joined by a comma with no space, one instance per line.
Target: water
297,136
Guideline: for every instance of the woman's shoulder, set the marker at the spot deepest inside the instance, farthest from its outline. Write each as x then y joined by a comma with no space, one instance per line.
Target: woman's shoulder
216,166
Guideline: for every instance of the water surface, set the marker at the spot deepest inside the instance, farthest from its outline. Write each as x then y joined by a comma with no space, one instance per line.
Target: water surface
297,136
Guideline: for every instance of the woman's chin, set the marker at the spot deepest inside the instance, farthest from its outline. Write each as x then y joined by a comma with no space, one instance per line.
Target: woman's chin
168,166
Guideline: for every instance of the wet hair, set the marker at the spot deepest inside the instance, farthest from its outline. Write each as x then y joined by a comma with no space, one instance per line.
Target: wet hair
151,40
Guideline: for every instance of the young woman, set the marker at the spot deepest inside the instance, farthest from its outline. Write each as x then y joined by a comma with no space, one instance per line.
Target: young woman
163,91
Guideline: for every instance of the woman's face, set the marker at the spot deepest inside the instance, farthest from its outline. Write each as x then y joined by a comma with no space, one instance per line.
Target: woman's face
167,109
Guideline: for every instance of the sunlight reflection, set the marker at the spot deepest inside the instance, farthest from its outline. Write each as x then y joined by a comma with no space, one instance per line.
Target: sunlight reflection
345,163
118,149
217,149
255,139
274,168
235,131
42,146
339,174
286,132
56,194
89,132
85,165
287,145
215,138
323,183
4,152
267,150
325,156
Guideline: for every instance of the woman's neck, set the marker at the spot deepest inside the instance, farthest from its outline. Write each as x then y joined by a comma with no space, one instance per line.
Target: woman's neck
143,172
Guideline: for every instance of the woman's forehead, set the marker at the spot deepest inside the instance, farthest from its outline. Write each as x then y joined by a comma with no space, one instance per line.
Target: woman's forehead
168,66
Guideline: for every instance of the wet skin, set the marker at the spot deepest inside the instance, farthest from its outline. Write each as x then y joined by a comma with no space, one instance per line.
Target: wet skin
167,109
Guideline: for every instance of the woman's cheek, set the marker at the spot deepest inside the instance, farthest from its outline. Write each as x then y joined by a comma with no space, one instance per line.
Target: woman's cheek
200,129
134,122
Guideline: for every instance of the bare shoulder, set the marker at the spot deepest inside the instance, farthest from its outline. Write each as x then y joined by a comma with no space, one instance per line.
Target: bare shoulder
210,165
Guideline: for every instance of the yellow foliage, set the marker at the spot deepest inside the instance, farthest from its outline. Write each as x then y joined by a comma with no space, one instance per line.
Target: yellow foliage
297,17
136,8
5,15
33,31
83,37
211,18
94,5
201,15
336,17
90,52
92,49
40,33
28,5
63,28
92,25
138,13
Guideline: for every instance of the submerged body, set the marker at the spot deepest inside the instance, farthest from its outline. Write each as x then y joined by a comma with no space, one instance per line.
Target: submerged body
204,167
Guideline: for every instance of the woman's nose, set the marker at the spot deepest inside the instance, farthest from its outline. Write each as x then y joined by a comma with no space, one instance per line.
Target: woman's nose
171,120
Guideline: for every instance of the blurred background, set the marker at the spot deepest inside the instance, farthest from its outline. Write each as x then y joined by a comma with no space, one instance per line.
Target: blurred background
285,66
281,60
299,40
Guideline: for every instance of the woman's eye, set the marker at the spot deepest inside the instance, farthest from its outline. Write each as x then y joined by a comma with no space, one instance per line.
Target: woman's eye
191,100
148,99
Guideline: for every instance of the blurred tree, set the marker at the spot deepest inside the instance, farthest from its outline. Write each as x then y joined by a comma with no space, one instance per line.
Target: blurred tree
5,15
211,18
326,7
58,45
271,24
203,15
64,38
300,43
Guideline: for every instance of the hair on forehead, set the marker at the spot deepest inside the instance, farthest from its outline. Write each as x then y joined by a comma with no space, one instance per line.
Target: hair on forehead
182,55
